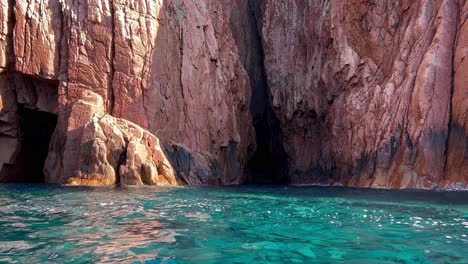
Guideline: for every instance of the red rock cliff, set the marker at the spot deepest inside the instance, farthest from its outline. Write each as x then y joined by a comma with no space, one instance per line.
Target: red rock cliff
370,93
169,66
360,93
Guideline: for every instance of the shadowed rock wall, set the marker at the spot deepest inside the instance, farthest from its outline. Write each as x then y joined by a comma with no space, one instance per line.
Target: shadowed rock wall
361,93
370,93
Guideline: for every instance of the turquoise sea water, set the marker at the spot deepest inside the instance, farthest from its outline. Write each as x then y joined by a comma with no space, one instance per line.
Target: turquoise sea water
49,224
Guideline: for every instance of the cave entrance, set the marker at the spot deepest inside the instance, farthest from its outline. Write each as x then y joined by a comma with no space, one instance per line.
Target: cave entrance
36,129
27,123
268,165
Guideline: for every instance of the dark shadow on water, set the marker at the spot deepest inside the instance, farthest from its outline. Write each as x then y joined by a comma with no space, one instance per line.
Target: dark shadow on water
459,197
404,197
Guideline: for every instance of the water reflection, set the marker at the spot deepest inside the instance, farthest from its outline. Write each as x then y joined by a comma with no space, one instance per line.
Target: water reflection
226,225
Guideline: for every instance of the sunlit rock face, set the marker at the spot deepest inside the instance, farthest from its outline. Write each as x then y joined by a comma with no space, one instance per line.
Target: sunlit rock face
170,67
370,93
171,92
104,150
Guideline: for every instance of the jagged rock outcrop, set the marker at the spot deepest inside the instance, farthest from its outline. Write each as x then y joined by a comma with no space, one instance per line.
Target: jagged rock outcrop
370,93
169,66
104,150
361,93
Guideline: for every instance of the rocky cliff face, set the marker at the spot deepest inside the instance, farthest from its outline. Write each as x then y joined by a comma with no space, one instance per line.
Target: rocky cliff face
370,93
360,93
170,67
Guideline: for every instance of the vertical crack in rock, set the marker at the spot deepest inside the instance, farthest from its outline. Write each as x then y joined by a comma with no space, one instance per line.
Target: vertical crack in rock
449,125
10,51
112,57
268,164
61,41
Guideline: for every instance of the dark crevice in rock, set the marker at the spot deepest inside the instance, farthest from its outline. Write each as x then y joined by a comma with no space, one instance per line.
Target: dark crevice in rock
449,125
10,56
60,43
112,58
36,129
122,161
35,119
268,165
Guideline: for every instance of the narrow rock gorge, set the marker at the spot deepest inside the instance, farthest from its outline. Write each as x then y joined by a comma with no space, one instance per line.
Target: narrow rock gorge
360,93
268,163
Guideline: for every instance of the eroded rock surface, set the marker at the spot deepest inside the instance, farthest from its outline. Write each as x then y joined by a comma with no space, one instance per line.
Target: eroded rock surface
360,93
370,93
104,150
171,67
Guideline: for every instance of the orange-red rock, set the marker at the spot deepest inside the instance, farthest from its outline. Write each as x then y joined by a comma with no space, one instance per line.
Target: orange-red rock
359,93
169,66
370,93
104,150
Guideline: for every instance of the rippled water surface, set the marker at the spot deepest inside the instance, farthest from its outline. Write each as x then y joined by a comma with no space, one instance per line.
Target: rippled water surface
40,223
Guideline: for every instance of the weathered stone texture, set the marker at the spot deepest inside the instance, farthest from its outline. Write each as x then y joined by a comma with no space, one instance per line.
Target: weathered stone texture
104,150
364,90
169,66
362,93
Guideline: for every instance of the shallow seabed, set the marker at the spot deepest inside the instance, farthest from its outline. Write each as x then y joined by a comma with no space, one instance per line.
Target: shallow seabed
277,224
